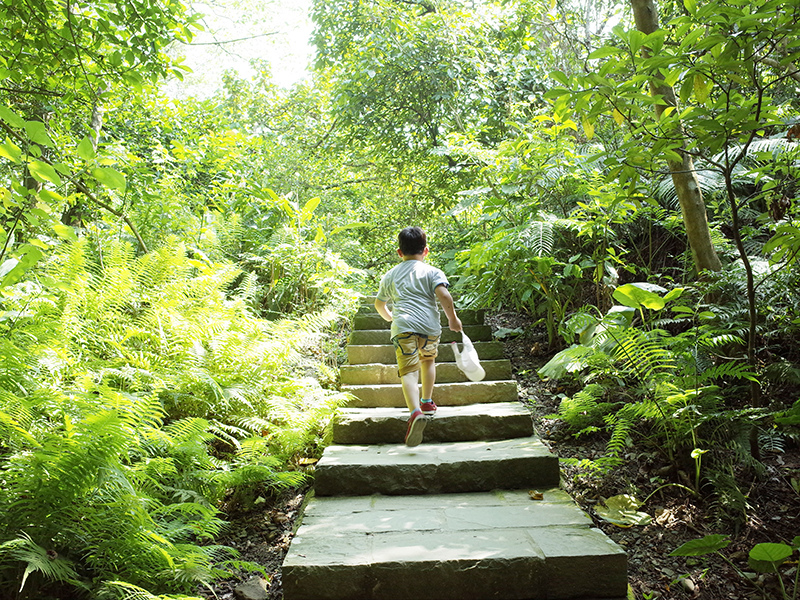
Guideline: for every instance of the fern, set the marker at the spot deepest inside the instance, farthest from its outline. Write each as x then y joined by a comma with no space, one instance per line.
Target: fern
38,560
149,396
645,357
539,237
582,412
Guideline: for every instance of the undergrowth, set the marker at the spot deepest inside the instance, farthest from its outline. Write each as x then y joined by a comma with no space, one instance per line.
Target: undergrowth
140,396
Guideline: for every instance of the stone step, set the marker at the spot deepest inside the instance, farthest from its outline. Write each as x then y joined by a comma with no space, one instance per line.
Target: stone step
500,545
367,306
446,372
435,468
372,337
446,394
375,321
359,355
503,420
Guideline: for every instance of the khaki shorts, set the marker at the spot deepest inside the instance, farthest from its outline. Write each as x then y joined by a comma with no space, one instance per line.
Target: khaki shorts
413,348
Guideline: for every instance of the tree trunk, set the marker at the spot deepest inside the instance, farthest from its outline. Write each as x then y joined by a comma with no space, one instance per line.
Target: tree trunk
684,177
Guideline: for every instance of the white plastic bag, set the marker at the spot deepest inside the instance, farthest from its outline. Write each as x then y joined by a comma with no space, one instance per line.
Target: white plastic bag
467,359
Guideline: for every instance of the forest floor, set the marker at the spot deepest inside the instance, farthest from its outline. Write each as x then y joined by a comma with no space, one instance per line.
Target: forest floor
771,514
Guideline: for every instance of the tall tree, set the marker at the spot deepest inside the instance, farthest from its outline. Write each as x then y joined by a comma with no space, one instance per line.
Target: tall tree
681,167
63,60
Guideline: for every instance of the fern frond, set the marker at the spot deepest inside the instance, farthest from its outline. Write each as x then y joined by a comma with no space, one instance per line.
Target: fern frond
640,354
122,590
538,237
38,560
736,370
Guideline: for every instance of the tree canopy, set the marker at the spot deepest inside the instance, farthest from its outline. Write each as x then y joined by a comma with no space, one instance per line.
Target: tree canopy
177,274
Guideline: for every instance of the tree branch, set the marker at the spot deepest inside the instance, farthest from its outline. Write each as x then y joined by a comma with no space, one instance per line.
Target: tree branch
792,71
81,187
32,92
220,43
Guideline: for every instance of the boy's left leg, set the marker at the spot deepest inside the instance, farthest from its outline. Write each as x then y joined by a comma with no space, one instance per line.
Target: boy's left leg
428,377
416,354
416,421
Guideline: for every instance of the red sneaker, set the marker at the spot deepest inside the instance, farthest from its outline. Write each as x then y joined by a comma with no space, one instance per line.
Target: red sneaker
428,407
416,425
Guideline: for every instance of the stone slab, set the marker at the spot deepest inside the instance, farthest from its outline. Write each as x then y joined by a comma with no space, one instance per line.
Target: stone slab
501,420
320,506
445,394
477,333
432,468
450,547
375,321
446,372
359,355
581,563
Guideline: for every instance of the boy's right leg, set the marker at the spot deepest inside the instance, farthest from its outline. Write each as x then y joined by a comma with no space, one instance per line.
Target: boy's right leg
410,382
408,363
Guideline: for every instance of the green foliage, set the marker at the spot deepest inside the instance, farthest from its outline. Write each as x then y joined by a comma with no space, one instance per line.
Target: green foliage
765,557
582,412
146,397
669,380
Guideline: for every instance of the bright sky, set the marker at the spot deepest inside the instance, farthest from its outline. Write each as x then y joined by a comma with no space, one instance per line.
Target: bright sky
286,47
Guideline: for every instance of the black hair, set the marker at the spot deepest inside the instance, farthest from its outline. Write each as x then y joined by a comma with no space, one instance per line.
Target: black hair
412,240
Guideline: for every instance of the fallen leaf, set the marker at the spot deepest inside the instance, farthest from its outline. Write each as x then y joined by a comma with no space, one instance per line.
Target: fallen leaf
536,495
622,511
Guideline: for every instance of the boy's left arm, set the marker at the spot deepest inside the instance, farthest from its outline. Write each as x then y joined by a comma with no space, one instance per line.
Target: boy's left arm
380,306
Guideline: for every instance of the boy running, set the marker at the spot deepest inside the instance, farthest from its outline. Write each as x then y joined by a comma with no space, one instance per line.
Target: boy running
413,288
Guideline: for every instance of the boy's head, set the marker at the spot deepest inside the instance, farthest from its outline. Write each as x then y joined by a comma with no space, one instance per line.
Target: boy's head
412,241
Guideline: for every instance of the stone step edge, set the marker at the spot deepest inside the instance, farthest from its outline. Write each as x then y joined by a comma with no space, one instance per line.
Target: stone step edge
556,561
444,394
435,468
446,372
472,422
476,333
360,354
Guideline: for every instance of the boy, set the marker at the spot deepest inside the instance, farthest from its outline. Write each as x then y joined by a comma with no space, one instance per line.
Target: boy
413,287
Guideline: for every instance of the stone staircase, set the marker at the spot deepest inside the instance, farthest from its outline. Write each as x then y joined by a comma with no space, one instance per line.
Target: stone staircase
451,519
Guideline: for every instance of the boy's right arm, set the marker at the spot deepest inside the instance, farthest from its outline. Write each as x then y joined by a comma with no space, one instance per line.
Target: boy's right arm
380,306
446,300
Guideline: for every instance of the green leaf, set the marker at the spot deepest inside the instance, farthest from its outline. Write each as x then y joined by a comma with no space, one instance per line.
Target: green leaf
706,545
604,52
620,315
42,172
11,151
13,269
622,511
65,232
12,118
635,296
309,209
37,133
109,177
588,128
86,149
560,77
691,6
767,557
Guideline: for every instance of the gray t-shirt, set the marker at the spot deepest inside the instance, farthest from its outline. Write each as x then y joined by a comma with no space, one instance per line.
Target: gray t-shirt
411,288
